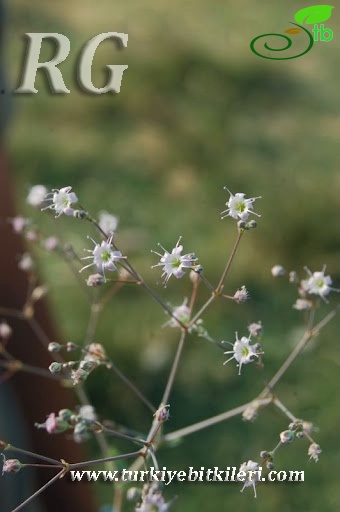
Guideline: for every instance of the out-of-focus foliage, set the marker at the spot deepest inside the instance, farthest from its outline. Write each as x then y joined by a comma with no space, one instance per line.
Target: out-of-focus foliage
197,111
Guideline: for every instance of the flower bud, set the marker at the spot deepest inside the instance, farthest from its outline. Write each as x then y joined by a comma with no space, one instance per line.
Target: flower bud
54,347
11,466
80,214
55,367
65,414
95,280
287,436
162,414
5,330
278,271
314,451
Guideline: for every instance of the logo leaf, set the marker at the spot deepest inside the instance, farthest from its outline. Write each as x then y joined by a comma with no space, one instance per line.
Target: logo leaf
314,14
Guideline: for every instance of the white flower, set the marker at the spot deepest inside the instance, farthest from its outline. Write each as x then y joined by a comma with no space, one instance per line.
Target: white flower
19,223
36,195
302,304
239,206
318,283
87,413
26,263
107,222
103,255
243,352
252,476
255,329
173,263
181,313
51,243
278,271
152,499
62,199
314,451
241,295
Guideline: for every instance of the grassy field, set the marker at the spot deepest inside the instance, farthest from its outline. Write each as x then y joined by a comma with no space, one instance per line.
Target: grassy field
197,111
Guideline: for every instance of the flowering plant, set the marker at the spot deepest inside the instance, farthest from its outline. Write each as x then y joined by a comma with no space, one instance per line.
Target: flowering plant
112,272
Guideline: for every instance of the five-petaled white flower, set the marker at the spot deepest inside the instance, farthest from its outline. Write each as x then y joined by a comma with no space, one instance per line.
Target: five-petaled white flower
252,475
103,255
243,352
62,199
318,283
173,263
239,207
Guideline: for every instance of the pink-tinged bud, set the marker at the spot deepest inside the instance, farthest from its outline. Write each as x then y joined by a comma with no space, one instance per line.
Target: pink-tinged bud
162,414
55,425
11,466
70,346
51,243
95,280
18,224
95,353
287,436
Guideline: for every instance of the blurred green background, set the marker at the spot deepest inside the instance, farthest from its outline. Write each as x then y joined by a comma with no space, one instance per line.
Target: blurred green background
197,111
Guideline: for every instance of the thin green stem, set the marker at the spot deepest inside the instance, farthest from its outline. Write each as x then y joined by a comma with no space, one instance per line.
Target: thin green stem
174,368
32,454
196,427
229,262
106,459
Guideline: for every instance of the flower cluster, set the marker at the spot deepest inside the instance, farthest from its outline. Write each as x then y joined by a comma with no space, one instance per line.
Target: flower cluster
94,355
82,423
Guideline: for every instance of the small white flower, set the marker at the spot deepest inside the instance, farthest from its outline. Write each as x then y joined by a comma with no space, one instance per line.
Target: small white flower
103,256
278,271
241,295
173,263
181,313
19,223
318,283
255,329
87,413
314,451
252,476
62,199
243,352
5,330
107,222
302,304
36,195
51,243
239,207
26,263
